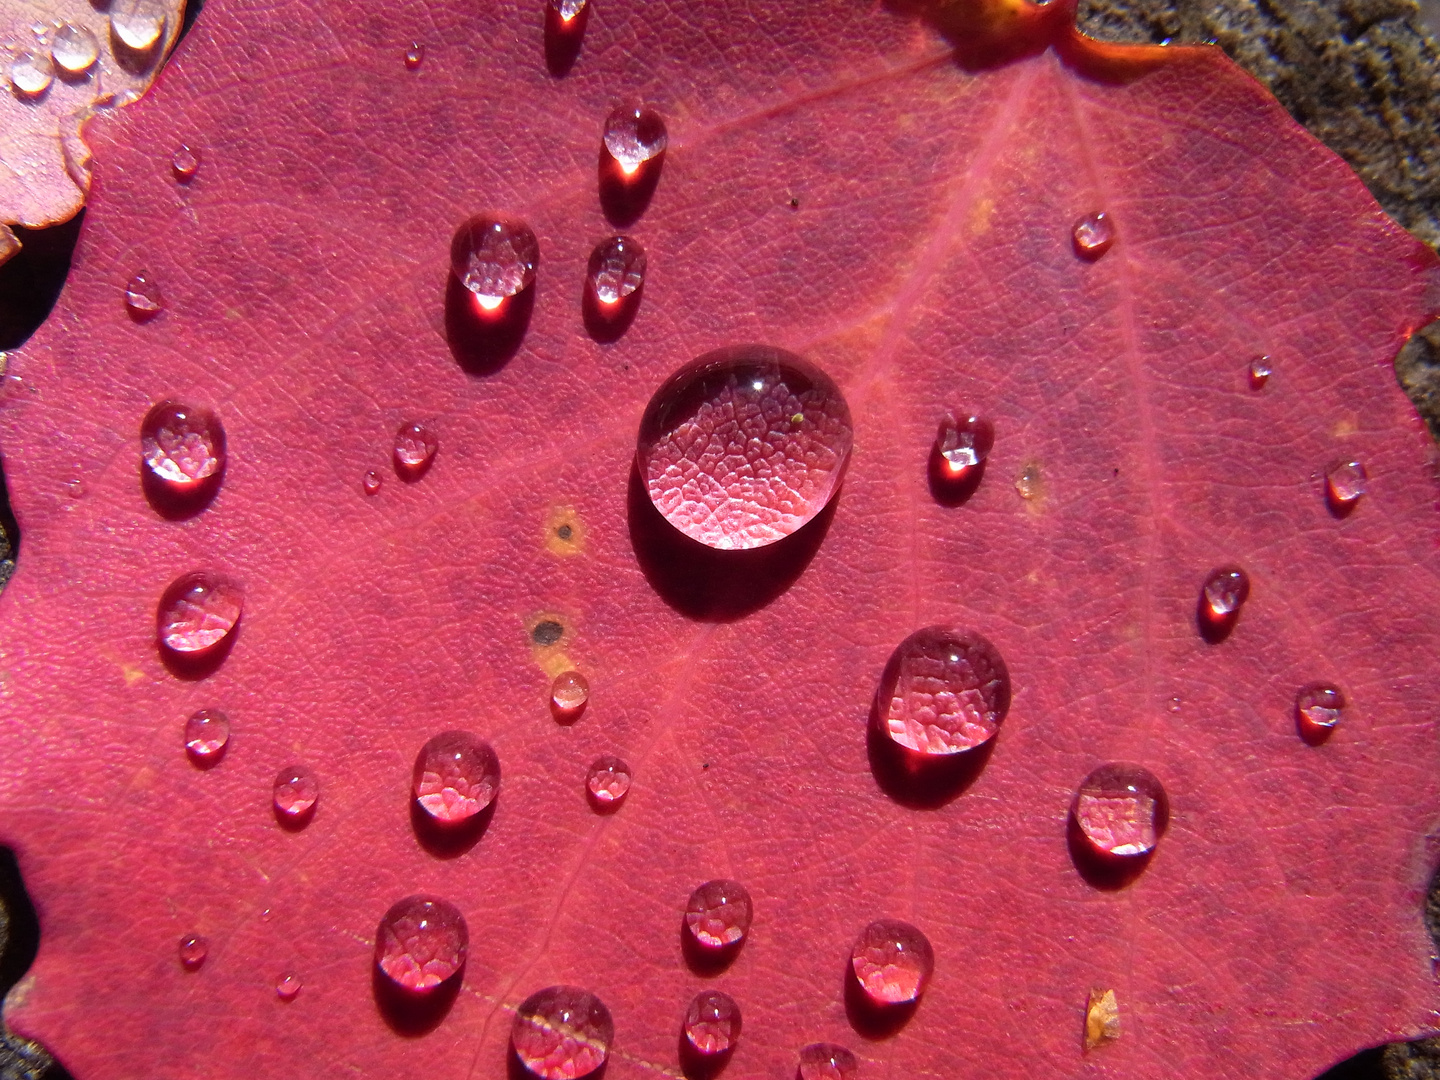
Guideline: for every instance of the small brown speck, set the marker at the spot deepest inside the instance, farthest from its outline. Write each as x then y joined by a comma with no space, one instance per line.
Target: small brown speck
564,532
547,632
1102,1019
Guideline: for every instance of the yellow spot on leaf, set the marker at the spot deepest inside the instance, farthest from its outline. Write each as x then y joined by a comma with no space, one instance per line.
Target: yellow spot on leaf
1102,1019
548,634
980,215
1345,428
564,531
1030,486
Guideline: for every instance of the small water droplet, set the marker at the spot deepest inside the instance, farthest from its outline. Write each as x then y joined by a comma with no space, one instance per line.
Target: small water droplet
617,269
944,691
74,48
635,134
567,11
296,792
1121,810
288,987
1345,482
422,941
963,442
137,23
1029,485
193,950
371,481
562,1033
1260,372
569,694
456,776
207,733
31,72
197,612
143,297
415,447
183,446
712,1024
415,55
607,783
1318,708
1093,234
1225,592
184,163
722,457
495,258
718,915
892,962
826,1061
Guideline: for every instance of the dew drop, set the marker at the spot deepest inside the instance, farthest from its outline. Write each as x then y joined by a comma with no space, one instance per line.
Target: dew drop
892,962
207,733
567,11
1345,482
1121,810
31,72
1093,235
74,48
197,612
616,270
456,776
744,446
1224,593
184,163
1030,485
415,55
295,794
137,23
288,988
826,1061
422,941
182,446
562,1033
495,258
634,134
1260,372
607,783
143,297
193,950
963,442
944,691
569,694
718,915
1318,707
415,447
712,1024
371,481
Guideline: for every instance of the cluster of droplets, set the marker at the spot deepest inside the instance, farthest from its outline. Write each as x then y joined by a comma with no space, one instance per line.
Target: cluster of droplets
70,50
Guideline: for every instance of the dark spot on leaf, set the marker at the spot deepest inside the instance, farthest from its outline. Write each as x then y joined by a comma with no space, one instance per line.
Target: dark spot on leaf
547,632
564,532
794,203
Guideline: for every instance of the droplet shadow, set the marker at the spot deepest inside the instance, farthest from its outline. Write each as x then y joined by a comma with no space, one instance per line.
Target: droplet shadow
710,585
1311,734
411,474
174,504
923,781
483,342
1102,871
624,198
608,323
294,823
136,61
449,841
870,1019
195,666
952,490
1339,509
1214,628
411,1013
206,762
563,40
697,1066
703,961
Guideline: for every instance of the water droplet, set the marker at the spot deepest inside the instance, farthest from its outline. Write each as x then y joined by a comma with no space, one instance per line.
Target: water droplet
295,795
288,987
608,782
562,1033
712,1024
415,447
569,694
137,23
892,962
182,446
744,446
617,269
495,258
1260,372
206,734
826,1061
1225,592
1345,482
1121,810
143,296
193,950
718,915
944,691
421,942
31,72
197,612
415,55
456,776
74,48
634,134
1094,233
1317,709
371,481
567,11
963,442
184,162
1029,485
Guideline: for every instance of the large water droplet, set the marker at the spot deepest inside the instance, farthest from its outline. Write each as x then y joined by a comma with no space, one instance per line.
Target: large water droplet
744,446
826,1061
415,55
718,915
182,446
143,296
31,72
422,941
1121,810
184,163
1260,372
562,1033
567,10
1318,708
607,783
197,612
295,794
1221,598
288,987
1093,235
569,694
74,48
616,270
137,23
456,776
944,691
1345,482
892,962
193,950
207,733
495,258
635,134
712,1024
415,447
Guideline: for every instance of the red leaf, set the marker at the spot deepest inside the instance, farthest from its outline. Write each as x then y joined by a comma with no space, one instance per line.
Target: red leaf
835,185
